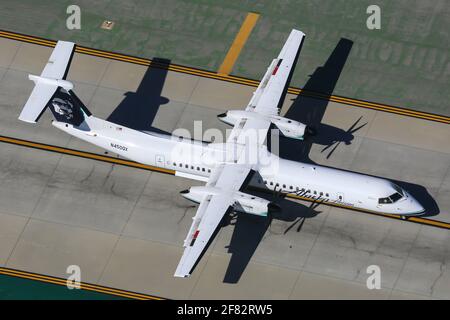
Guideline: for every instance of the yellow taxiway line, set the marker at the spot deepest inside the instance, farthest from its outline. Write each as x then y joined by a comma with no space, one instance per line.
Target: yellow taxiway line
109,159
84,286
224,76
238,43
229,78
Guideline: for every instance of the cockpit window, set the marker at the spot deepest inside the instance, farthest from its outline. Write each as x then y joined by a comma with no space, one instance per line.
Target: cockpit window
395,197
397,188
391,199
384,200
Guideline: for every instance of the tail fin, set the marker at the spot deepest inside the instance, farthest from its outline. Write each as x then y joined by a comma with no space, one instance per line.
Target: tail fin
52,90
67,107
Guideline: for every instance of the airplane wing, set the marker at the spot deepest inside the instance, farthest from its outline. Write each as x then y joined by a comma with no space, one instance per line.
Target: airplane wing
269,96
226,179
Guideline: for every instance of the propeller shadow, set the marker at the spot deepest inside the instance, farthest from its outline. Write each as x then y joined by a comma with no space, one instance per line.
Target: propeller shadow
310,111
249,230
138,109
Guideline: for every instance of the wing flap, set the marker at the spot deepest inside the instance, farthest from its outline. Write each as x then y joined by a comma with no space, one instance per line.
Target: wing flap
227,178
269,96
250,132
206,221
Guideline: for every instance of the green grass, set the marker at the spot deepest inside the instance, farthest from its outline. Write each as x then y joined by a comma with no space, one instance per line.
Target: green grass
406,63
14,288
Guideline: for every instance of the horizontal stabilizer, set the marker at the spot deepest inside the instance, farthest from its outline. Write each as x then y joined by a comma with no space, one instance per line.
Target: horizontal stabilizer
52,77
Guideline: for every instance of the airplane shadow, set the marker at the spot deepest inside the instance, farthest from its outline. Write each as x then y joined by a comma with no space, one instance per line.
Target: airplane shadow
249,230
421,194
138,109
310,111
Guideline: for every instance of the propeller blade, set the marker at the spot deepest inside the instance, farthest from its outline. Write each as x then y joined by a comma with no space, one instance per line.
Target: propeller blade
360,127
301,224
328,146
291,226
354,124
335,147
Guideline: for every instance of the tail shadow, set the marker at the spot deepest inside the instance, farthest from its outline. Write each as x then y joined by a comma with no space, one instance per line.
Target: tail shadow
138,109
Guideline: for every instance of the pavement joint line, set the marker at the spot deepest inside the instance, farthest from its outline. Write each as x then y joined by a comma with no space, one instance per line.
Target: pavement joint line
84,286
238,43
232,79
123,228
129,163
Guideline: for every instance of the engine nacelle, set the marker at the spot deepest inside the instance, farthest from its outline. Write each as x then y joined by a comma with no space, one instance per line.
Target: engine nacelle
289,128
243,202
248,203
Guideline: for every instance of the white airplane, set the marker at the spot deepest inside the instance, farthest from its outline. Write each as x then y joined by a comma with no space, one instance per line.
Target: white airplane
225,167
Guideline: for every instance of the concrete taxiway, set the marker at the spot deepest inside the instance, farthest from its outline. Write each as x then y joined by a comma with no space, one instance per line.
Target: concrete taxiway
124,226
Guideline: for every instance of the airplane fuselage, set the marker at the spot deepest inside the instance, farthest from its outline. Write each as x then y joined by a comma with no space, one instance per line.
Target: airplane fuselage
196,160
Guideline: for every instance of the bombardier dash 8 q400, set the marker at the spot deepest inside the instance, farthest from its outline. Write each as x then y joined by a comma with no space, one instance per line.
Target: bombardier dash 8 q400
225,167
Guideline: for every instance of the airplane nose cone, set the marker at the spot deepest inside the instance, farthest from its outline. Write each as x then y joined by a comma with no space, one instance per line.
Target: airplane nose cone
413,206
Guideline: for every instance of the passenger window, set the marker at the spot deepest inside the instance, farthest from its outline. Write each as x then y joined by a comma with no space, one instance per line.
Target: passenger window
186,166
203,169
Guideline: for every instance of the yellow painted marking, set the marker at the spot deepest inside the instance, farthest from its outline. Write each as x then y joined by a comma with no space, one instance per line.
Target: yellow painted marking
84,286
233,79
238,43
82,154
93,156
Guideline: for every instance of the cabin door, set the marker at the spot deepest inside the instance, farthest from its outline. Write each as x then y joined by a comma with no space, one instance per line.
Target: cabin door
159,160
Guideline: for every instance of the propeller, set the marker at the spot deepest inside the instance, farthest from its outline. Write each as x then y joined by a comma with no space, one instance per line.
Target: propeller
349,132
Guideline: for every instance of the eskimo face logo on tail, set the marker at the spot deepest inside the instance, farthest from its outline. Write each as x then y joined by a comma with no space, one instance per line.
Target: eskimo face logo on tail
66,109
63,108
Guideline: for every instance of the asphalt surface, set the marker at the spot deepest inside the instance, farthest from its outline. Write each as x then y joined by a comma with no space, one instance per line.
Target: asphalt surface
124,227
